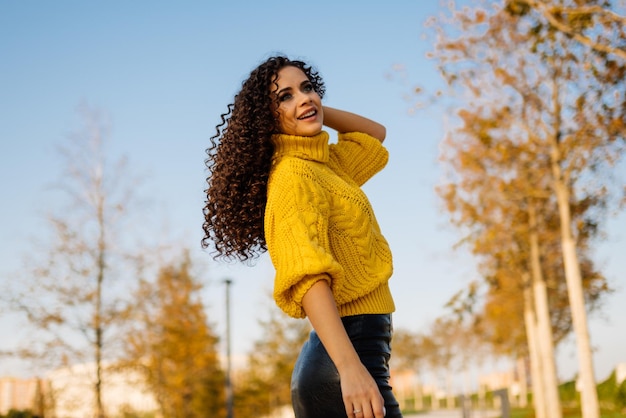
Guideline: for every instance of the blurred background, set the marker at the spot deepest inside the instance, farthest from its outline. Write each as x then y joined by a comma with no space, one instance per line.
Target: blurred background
107,109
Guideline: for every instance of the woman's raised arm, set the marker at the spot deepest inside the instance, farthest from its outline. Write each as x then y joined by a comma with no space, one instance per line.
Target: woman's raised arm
343,121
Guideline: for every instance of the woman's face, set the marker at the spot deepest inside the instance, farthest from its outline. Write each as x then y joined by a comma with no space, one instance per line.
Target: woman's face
299,107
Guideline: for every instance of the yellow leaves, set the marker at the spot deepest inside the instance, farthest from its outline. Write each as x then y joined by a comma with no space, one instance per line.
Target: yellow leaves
578,21
517,7
173,333
616,126
505,77
481,16
51,319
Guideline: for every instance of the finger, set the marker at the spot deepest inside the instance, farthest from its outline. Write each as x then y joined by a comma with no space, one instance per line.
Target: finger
378,408
351,410
362,412
380,413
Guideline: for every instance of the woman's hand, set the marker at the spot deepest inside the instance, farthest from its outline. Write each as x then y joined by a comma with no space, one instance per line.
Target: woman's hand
361,396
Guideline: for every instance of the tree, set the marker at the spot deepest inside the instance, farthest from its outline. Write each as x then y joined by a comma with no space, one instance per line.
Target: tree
560,102
265,384
72,292
450,337
593,25
409,355
489,203
450,346
576,147
174,346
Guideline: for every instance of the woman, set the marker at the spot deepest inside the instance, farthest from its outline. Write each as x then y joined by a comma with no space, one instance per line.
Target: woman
275,183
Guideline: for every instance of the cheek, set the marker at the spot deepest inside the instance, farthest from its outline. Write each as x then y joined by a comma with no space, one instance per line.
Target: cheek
283,115
281,123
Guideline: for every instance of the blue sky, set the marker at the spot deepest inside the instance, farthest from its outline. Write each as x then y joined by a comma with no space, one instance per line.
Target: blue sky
165,71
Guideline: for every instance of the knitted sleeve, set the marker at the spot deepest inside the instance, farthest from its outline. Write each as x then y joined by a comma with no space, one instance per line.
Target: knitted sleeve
296,233
360,155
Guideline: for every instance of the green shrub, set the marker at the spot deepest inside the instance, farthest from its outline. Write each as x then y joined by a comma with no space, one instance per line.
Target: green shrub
607,390
620,396
567,392
14,413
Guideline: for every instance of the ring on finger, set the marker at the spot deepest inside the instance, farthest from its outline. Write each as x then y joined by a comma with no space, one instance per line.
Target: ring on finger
356,411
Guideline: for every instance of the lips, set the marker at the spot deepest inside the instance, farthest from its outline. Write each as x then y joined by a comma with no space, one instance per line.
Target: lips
308,114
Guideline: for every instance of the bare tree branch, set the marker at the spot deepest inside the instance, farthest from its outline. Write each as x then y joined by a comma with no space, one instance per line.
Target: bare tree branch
550,14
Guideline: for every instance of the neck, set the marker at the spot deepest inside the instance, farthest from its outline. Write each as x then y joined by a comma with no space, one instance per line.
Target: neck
306,147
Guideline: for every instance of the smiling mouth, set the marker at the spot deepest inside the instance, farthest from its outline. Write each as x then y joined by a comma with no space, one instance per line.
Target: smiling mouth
308,114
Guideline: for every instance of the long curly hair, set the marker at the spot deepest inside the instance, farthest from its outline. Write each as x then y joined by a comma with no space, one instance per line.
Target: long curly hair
239,160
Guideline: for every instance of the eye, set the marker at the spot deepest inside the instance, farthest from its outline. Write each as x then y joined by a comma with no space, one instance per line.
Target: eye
284,97
308,87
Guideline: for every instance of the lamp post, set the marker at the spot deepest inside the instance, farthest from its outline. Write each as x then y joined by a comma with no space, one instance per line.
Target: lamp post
229,385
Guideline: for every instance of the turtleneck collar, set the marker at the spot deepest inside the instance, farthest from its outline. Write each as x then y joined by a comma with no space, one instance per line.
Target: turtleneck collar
313,148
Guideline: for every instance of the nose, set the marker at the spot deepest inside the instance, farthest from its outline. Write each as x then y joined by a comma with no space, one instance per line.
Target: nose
303,98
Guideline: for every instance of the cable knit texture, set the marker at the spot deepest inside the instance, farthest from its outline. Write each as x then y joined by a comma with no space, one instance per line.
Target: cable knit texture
319,225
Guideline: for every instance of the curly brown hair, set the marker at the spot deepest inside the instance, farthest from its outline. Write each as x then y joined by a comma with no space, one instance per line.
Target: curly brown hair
239,161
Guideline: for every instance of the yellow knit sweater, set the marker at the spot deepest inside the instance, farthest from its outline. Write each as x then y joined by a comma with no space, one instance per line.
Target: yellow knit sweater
319,225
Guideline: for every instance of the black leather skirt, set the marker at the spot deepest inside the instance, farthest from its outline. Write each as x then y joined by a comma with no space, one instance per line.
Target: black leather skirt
315,387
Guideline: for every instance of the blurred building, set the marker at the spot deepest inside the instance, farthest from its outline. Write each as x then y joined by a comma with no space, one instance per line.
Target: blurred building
123,391
19,394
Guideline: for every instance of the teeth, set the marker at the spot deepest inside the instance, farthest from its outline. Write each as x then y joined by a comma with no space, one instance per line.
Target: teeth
306,115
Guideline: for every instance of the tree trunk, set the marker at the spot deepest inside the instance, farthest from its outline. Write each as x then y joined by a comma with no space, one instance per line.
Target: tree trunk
589,396
545,346
522,401
435,395
401,397
533,350
100,271
419,396
545,340
449,390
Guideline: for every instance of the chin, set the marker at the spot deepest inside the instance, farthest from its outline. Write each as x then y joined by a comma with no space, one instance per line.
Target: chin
304,131
313,131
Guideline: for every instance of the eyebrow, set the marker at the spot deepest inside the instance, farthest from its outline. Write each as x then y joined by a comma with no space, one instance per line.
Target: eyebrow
289,88
283,89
